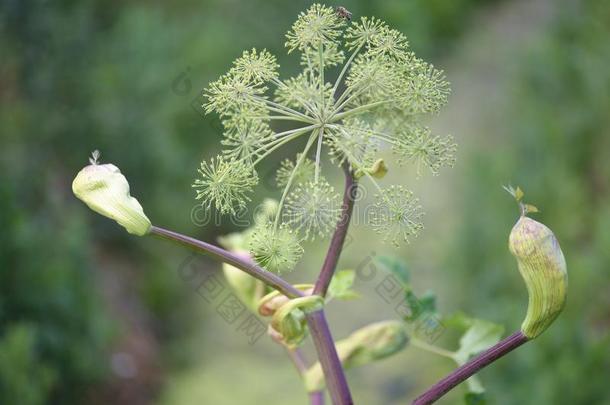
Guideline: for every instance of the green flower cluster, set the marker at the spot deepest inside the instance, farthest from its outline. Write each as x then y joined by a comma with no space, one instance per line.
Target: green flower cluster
377,99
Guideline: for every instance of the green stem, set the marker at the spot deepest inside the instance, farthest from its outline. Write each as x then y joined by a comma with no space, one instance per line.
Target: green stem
379,135
359,110
283,118
318,154
309,107
280,142
276,137
340,103
293,117
273,106
347,96
321,55
431,348
300,160
345,67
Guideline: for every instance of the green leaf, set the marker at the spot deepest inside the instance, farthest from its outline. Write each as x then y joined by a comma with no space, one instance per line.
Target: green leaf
480,336
474,385
475,398
426,304
414,306
457,321
341,285
395,266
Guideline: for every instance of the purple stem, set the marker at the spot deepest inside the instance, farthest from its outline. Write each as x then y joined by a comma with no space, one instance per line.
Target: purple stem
320,332
329,360
467,370
235,260
316,398
336,243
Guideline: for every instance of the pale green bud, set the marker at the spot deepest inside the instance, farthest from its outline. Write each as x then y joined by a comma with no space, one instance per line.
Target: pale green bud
366,345
288,324
289,320
543,268
373,342
378,170
248,289
106,191
267,212
270,303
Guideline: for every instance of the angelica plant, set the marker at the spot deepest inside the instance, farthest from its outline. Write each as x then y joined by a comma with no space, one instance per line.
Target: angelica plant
376,101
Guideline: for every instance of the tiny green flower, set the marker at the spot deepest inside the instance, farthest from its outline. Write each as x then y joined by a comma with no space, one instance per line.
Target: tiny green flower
256,66
319,25
304,173
276,249
106,191
397,215
419,146
313,209
245,139
225,184
363,32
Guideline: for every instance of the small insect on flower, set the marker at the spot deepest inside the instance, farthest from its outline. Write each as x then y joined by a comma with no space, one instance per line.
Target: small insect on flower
342,12
276,249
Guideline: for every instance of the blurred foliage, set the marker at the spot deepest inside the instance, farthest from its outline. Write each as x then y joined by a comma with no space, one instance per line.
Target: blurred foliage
431,25
555,142
21,374
44,282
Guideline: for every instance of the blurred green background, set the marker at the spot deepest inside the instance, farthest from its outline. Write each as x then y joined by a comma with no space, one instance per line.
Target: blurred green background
91,315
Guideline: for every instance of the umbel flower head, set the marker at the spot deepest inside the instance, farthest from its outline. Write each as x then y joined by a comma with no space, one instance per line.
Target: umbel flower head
275,248
313,208
106,191
396,215
224,183
374,102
